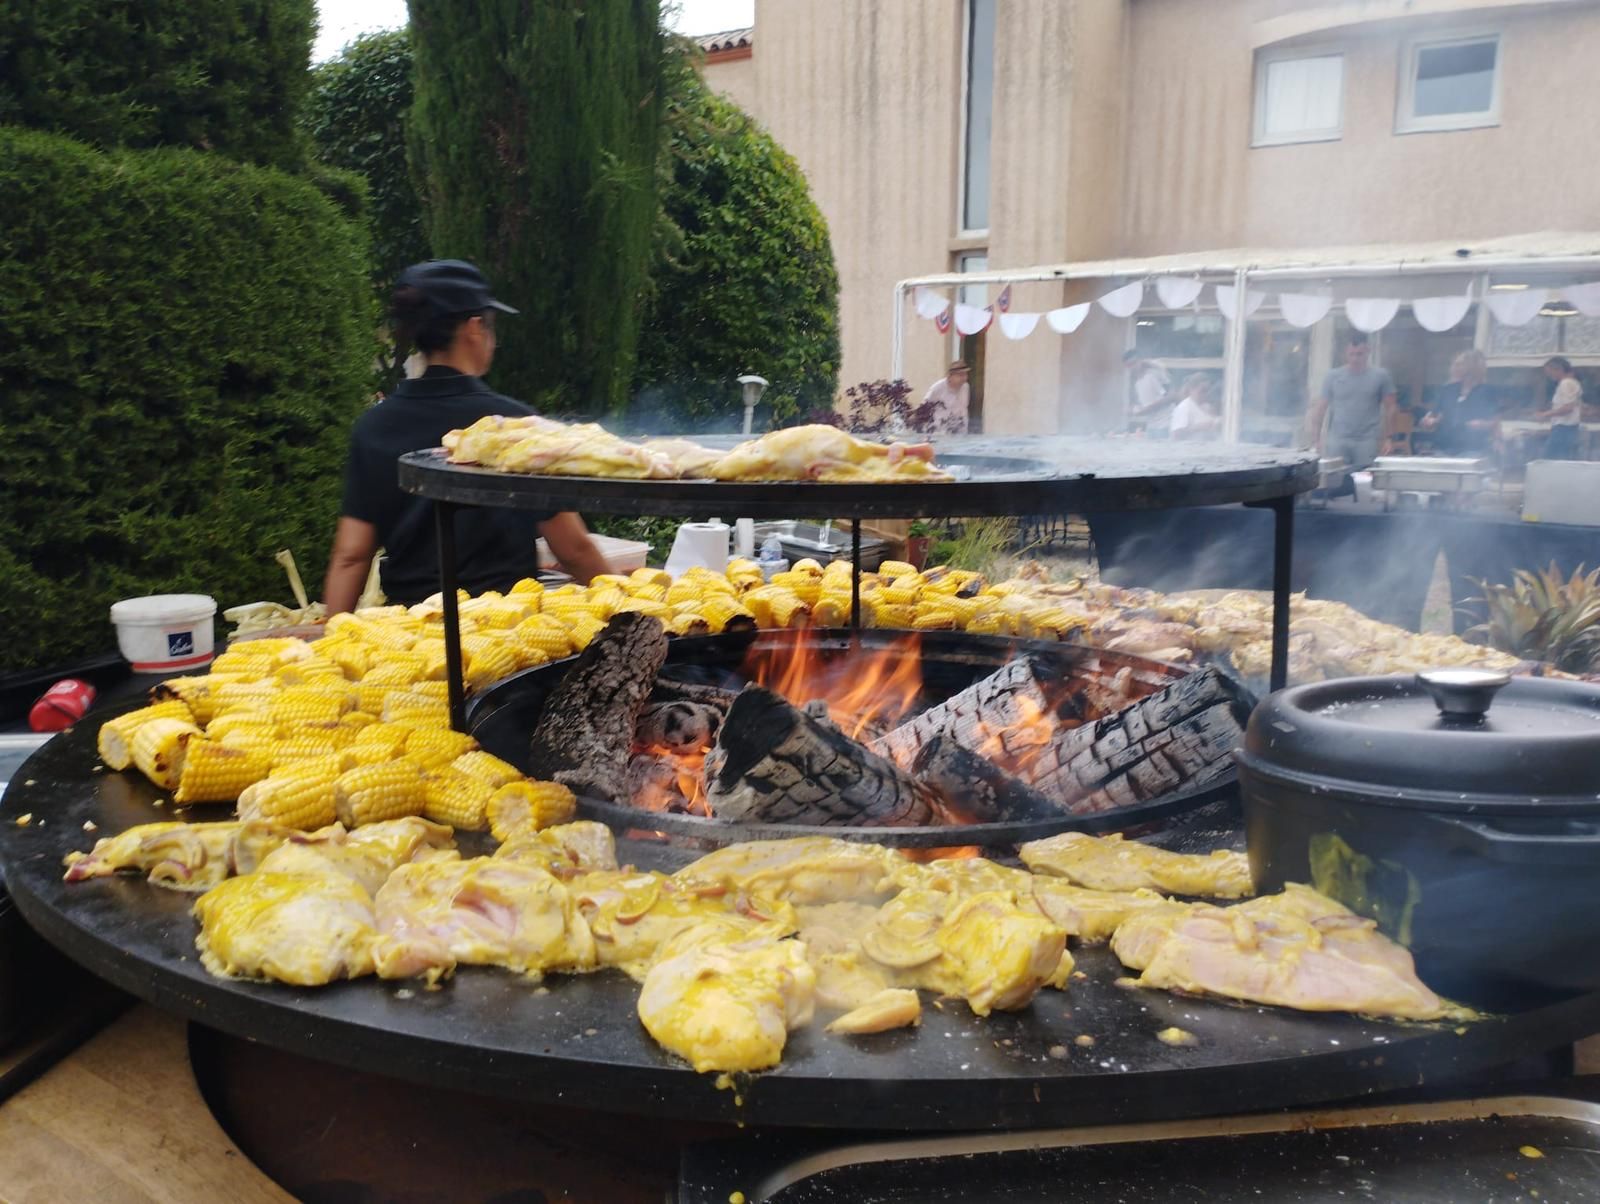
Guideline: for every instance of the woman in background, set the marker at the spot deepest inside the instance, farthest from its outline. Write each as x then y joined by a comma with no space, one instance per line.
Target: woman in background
1462,415
1193,418
1566,410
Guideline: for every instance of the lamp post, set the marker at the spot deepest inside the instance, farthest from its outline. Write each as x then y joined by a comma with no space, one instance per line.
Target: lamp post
753,387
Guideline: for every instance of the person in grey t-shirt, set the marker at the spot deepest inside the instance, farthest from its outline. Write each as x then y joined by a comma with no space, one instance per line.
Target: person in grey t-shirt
1362,401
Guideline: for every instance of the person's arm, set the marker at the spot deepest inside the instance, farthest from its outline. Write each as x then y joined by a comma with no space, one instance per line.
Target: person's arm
354,543
1389,416
571,546
1315,417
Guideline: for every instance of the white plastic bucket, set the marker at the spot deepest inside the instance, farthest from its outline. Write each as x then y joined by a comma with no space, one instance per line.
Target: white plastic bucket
165,632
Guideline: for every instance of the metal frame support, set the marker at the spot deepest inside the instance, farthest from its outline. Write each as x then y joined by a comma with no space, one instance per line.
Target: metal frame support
855,574
444,517
1282,574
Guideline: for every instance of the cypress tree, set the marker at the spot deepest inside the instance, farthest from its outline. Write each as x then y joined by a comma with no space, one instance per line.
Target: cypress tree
534,138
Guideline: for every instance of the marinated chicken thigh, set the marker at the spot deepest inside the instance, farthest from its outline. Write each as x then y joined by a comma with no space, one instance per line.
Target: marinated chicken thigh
1113,864
179,856
812,869
823,453
304,929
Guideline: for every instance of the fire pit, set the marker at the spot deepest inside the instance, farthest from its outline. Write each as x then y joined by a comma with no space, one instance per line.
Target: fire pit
934,739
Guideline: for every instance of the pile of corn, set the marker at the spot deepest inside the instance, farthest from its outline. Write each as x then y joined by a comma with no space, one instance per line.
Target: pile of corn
354,726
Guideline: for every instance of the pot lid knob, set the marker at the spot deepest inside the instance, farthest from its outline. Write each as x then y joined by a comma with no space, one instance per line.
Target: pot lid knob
1463,693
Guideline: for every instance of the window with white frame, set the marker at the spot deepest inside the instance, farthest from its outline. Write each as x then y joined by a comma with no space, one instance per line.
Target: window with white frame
1299,97
978,116
1449,84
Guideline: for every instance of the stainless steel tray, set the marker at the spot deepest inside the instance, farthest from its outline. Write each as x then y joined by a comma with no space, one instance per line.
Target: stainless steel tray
1501,1148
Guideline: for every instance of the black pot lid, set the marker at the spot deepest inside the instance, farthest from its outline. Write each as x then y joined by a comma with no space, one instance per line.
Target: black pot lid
1460,739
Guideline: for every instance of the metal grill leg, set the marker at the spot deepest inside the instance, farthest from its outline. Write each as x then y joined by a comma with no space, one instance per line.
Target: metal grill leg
855,574
444,516
1282,565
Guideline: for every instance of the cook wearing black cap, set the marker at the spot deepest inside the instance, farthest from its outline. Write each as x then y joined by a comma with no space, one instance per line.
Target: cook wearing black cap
445,310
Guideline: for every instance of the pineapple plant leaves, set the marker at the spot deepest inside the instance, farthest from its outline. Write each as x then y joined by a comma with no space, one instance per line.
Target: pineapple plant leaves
1544,616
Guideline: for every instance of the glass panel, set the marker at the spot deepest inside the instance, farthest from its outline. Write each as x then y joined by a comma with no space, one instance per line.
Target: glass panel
1455,79
1580,336
973,294
1302,95
1179,336
980,113
1538,337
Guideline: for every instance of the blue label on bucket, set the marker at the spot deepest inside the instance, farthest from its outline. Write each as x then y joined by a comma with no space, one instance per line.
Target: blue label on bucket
180,643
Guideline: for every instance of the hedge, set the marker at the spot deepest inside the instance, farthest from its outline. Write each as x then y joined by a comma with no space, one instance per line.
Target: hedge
750,285
534,137
222,75
188,340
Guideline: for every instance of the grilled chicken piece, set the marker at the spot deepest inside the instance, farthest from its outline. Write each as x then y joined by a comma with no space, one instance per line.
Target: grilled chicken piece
846,976
487,439
891,1008
809,869
632,914
565,849
1297,949
304,929
1090,915
687,456
823,453
554,449
439,913
724,1001
1111,863
366,855
179,856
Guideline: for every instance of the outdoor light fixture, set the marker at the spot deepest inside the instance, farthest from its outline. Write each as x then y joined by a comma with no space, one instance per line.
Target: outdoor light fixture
754,387
1507,288
1559,309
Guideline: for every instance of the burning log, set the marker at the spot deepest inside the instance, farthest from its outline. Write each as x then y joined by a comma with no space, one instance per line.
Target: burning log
976,784
1013,698
776,763
653,784
678,727
585,734
670,689
1178,737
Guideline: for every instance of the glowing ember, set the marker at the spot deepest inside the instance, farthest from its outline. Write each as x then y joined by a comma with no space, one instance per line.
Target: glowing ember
1015,747
866,691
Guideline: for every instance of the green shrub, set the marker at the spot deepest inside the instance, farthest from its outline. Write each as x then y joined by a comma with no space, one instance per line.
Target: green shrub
187,340
222,75
534,138
356,116
748,283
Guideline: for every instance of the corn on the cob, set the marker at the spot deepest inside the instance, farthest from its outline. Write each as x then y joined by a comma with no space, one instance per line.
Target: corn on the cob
197,693
934,618
895,568
456,798
651,593
605,602
216,773
432,747
652,577
758,602
528,587
995,622
806,586
688,623
430,689
158,747
894,615
529,806
310,704
257,733
353,657
833,610
685,590
789,611
399,703
646,606
394,670
431,650
488,660
383,735
297,796
115,741
487,767
288,749
727,614
584,629
370,794
566,607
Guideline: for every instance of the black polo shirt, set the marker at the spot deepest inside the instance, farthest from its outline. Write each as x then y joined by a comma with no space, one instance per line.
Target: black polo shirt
494,548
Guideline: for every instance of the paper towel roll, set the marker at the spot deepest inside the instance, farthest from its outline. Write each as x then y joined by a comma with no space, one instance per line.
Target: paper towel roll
703,544
744,541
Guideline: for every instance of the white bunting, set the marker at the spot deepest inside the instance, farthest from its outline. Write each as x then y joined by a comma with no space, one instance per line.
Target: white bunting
929,303
1018,326
1176,292
971,320
1065,321
1304,309
1371,313
1123,302
1440,314
1518,308
1585,297
1225,299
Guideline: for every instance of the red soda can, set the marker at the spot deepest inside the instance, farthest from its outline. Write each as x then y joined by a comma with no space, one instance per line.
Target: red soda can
62,705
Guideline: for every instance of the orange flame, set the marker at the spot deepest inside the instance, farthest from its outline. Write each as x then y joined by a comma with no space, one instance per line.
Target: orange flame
866,691
1016,746
687,788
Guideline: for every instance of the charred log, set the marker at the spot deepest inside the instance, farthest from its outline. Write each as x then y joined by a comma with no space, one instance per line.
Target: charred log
584,737
1177,738
653,783
776,763
670,689
977,786
678,727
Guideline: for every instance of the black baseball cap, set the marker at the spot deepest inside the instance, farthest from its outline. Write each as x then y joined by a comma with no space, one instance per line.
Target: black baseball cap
452,286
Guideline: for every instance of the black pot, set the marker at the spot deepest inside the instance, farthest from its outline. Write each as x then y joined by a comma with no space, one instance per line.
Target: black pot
1471,835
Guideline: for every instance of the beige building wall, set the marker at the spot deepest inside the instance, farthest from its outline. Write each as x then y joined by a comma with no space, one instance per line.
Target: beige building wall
1124,128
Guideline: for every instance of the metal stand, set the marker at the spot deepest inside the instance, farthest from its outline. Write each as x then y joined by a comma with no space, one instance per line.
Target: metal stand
1282,570
444,517
855,574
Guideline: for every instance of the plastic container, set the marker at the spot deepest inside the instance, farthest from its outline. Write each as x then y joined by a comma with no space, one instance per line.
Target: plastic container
622,556
166,633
